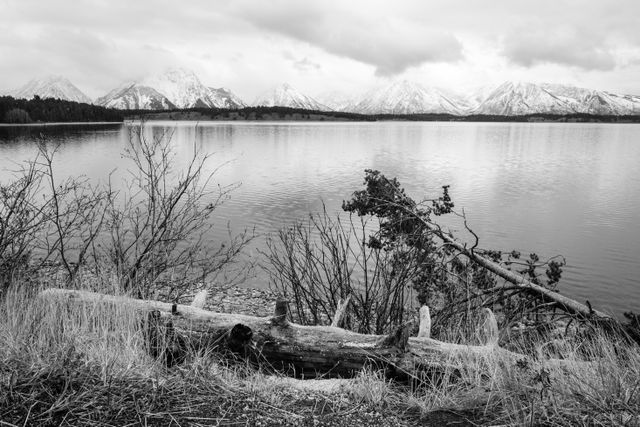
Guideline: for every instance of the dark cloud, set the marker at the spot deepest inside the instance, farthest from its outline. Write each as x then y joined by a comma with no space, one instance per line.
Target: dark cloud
564,46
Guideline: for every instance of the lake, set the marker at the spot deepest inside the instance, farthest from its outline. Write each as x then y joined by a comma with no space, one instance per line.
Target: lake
570,189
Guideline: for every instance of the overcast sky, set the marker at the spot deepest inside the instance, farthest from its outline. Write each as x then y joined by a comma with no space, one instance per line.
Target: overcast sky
326,45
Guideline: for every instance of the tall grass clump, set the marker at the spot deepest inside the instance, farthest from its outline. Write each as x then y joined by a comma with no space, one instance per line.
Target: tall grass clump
62,363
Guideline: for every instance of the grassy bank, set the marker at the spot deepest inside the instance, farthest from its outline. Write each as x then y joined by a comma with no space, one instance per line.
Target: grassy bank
88,366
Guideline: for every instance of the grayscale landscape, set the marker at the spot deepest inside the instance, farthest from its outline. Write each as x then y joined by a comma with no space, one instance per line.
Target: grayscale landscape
319,213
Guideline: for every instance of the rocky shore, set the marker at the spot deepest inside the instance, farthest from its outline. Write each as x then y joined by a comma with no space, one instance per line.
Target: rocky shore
238,300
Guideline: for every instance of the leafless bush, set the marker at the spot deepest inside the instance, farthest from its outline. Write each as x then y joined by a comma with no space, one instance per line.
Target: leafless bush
151,236
76,215
317,263
22,220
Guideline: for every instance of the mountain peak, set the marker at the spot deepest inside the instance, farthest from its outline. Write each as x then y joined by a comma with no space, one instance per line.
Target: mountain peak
173,87
185,90
405,97
52,86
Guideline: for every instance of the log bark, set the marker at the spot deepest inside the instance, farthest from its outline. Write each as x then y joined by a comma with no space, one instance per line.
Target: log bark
273,342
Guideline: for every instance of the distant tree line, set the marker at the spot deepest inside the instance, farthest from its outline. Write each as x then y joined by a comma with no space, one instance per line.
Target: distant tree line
265,113
538,117
54,110
260,112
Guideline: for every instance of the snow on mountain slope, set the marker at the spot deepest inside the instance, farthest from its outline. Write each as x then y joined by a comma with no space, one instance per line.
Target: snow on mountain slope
184,89
510,99
133,96
174,88
601,102
286,96
52,87
224,98
404,97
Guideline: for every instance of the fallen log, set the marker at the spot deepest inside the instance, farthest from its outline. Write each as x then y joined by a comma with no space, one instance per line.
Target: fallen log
174,331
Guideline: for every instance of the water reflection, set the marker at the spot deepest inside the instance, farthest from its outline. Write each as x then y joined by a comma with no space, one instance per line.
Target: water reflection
572,189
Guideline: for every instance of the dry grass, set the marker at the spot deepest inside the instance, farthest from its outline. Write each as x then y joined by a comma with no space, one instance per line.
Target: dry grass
88,366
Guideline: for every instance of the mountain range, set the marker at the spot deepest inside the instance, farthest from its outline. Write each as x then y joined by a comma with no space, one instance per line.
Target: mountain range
181,88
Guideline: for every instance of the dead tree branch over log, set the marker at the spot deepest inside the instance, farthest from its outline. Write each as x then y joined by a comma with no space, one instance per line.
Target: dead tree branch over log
297,350
564,303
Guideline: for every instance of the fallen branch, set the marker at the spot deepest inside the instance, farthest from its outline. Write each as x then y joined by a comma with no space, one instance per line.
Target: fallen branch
562,302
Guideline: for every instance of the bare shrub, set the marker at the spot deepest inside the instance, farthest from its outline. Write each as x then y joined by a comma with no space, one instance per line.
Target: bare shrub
157,230
150,237
76,215
317,263
22,220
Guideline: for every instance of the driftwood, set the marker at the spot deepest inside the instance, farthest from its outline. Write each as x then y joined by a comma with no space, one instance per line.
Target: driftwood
173,331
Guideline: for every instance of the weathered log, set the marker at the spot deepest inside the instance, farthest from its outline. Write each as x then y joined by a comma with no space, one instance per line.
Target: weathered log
299,350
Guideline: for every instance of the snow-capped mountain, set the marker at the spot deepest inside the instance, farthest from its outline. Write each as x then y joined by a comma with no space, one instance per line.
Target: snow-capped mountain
511,99
182,87
224,98
134,96
185,90
286,96
174,88
51,87
404,97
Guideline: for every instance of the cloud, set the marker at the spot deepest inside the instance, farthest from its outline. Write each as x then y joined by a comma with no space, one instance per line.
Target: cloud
390,45
563,46
334,44
305,64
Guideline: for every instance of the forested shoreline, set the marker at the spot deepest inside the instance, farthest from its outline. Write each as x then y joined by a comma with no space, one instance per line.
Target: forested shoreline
49,110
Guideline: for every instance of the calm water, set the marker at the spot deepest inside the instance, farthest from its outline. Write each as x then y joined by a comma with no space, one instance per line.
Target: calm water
570,189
